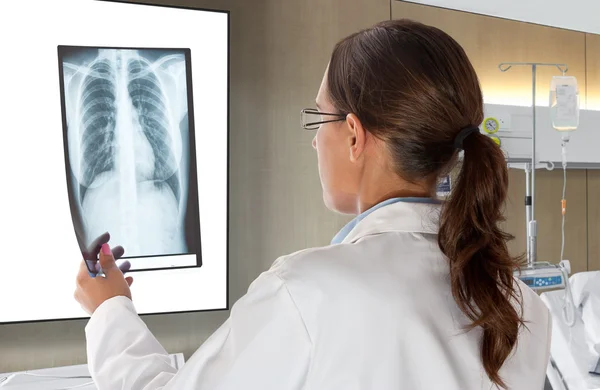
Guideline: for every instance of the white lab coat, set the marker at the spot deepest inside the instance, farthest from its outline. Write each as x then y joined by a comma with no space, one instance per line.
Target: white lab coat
372,313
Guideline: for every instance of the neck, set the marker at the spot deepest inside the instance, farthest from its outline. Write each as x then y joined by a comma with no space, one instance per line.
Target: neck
404,190
380,182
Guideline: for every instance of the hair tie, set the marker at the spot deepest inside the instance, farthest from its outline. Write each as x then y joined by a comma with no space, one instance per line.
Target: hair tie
463,134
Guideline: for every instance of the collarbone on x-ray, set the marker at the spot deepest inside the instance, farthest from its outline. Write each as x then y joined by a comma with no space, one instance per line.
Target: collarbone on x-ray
126,150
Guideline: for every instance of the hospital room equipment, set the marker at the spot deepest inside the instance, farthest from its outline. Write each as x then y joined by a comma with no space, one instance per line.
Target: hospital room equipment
545,275
575,302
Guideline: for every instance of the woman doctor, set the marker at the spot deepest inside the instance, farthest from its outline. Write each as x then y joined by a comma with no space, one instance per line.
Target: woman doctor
412,294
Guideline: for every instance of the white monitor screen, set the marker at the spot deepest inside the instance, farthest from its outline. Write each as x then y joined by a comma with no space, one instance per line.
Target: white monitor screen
115,120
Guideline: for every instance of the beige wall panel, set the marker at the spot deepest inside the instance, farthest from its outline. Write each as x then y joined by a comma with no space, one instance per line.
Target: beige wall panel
593,71
593,232
593,98
489,41
279,51
549,217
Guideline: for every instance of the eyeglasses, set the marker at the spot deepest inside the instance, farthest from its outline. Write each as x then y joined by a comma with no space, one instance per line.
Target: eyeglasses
307,124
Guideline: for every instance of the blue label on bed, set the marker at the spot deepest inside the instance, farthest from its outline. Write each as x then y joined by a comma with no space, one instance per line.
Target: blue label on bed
543,282
549,281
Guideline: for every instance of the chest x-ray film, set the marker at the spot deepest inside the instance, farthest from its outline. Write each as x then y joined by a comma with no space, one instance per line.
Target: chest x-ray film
129,151
115,128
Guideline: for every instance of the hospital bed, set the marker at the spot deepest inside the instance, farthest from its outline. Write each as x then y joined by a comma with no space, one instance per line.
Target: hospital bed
575,350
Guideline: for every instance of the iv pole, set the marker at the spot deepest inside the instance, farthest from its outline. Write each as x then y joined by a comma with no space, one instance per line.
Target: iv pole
530,167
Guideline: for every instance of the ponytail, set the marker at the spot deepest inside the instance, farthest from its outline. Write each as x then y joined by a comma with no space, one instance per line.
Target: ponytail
481,269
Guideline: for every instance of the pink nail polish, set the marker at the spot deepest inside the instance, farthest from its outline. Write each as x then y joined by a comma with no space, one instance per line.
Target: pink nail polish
106,250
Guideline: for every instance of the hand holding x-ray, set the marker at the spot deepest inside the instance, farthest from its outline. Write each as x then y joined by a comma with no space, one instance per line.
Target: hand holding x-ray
91,253
93,292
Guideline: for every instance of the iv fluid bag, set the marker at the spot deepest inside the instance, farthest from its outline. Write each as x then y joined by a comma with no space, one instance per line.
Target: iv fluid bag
564,103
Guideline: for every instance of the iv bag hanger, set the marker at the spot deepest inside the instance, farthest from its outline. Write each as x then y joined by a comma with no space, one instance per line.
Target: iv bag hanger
531,224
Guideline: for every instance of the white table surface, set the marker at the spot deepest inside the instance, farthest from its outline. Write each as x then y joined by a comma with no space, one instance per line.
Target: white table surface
59,378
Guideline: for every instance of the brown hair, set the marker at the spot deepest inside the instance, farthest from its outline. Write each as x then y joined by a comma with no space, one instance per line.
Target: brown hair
413,86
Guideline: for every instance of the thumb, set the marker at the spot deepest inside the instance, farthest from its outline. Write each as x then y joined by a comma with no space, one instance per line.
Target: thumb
107,261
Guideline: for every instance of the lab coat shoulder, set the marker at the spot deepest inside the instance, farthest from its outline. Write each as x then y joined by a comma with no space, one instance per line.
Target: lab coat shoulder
334,269
305,260
264,342
333,282
311,271
319,260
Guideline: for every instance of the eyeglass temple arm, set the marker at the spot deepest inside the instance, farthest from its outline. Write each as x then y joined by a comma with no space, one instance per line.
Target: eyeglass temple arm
321,122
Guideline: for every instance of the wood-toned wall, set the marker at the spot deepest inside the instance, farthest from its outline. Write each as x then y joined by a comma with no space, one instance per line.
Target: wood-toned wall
279,52
593,176
489,41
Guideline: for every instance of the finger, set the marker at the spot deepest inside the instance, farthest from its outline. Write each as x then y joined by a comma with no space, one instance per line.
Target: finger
94,248
125,266
118,252
107,262
129,280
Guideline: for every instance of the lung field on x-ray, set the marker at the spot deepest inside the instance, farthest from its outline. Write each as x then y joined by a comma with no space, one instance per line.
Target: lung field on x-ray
128,147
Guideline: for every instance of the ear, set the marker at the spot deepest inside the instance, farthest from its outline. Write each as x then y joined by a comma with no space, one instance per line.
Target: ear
358,137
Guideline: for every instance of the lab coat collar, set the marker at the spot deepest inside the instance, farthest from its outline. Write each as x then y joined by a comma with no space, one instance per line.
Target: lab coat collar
400,216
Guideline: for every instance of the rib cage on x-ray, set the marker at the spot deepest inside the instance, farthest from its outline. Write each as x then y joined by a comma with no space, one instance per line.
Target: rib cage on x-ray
98,114
125,113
